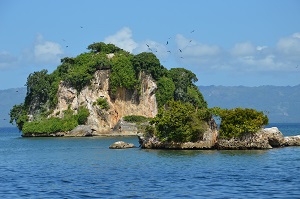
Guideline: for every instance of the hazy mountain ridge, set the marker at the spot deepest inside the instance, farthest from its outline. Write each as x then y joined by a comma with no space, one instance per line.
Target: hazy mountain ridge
280,103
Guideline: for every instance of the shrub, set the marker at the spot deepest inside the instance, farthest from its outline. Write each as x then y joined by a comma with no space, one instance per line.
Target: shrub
102,103
51,125
135,118
165,91
239,121
178,122
82,115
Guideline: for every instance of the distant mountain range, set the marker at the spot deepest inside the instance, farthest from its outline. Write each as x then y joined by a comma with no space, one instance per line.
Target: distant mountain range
280,103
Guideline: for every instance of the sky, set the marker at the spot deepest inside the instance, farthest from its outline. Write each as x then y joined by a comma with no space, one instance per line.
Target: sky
224,42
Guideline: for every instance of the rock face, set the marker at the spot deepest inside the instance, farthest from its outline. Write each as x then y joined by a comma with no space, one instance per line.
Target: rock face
292,140
121,145
80,131
264,139
126,102
208,141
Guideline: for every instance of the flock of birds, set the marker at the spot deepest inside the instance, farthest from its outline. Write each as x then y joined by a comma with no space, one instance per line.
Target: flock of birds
150,48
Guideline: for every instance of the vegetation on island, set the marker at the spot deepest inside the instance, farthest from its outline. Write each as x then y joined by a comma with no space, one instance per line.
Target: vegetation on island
183,113
179,121
135,118
239,121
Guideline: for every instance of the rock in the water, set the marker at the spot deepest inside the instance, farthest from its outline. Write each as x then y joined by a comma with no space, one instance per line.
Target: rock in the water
264,139
292,140
80,131
207,142
121,145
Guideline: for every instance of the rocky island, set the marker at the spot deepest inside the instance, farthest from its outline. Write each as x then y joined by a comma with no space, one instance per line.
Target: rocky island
108,91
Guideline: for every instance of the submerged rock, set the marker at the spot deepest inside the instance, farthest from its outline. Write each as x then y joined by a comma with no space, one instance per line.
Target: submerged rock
121,145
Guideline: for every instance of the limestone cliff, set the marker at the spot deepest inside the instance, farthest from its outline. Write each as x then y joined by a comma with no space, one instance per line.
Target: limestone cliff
126,102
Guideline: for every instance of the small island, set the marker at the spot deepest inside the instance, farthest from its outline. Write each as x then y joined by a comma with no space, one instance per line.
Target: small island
108,92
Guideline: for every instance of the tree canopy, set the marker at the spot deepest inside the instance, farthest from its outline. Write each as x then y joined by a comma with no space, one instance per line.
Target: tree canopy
239,121
179,122
149,63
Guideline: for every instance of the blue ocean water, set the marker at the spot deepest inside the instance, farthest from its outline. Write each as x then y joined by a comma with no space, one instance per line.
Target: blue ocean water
87,168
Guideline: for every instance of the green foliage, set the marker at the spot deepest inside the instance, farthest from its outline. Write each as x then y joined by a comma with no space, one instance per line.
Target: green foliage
102,47
239,121
18,115
165,91
195,97
135,118
54,124
149,63
82,115
122,73
51,125
102,103
178,122
38,88
185,90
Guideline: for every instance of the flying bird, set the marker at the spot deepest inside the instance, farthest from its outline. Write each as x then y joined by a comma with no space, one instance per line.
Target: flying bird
167,43
169,51
180,50
192,31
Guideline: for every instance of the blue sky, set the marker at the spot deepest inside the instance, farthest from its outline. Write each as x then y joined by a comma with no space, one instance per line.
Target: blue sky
230,43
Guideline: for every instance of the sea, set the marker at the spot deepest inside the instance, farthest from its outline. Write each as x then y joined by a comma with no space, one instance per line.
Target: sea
85,167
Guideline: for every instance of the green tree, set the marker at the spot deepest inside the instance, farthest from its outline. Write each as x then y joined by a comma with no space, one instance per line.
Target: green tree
165,91
122,74
195,97
178,122
82,115
38,88
102,47
149,63
186,90
239,121
18,114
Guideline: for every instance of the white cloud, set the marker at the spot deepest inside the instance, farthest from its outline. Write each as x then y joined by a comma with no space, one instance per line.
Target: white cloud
290,46
41,53
122,39
243,49
260,48
193,48
46,52
7,60
241,57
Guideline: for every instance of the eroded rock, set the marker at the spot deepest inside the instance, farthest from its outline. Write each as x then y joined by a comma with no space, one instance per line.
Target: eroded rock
121,145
